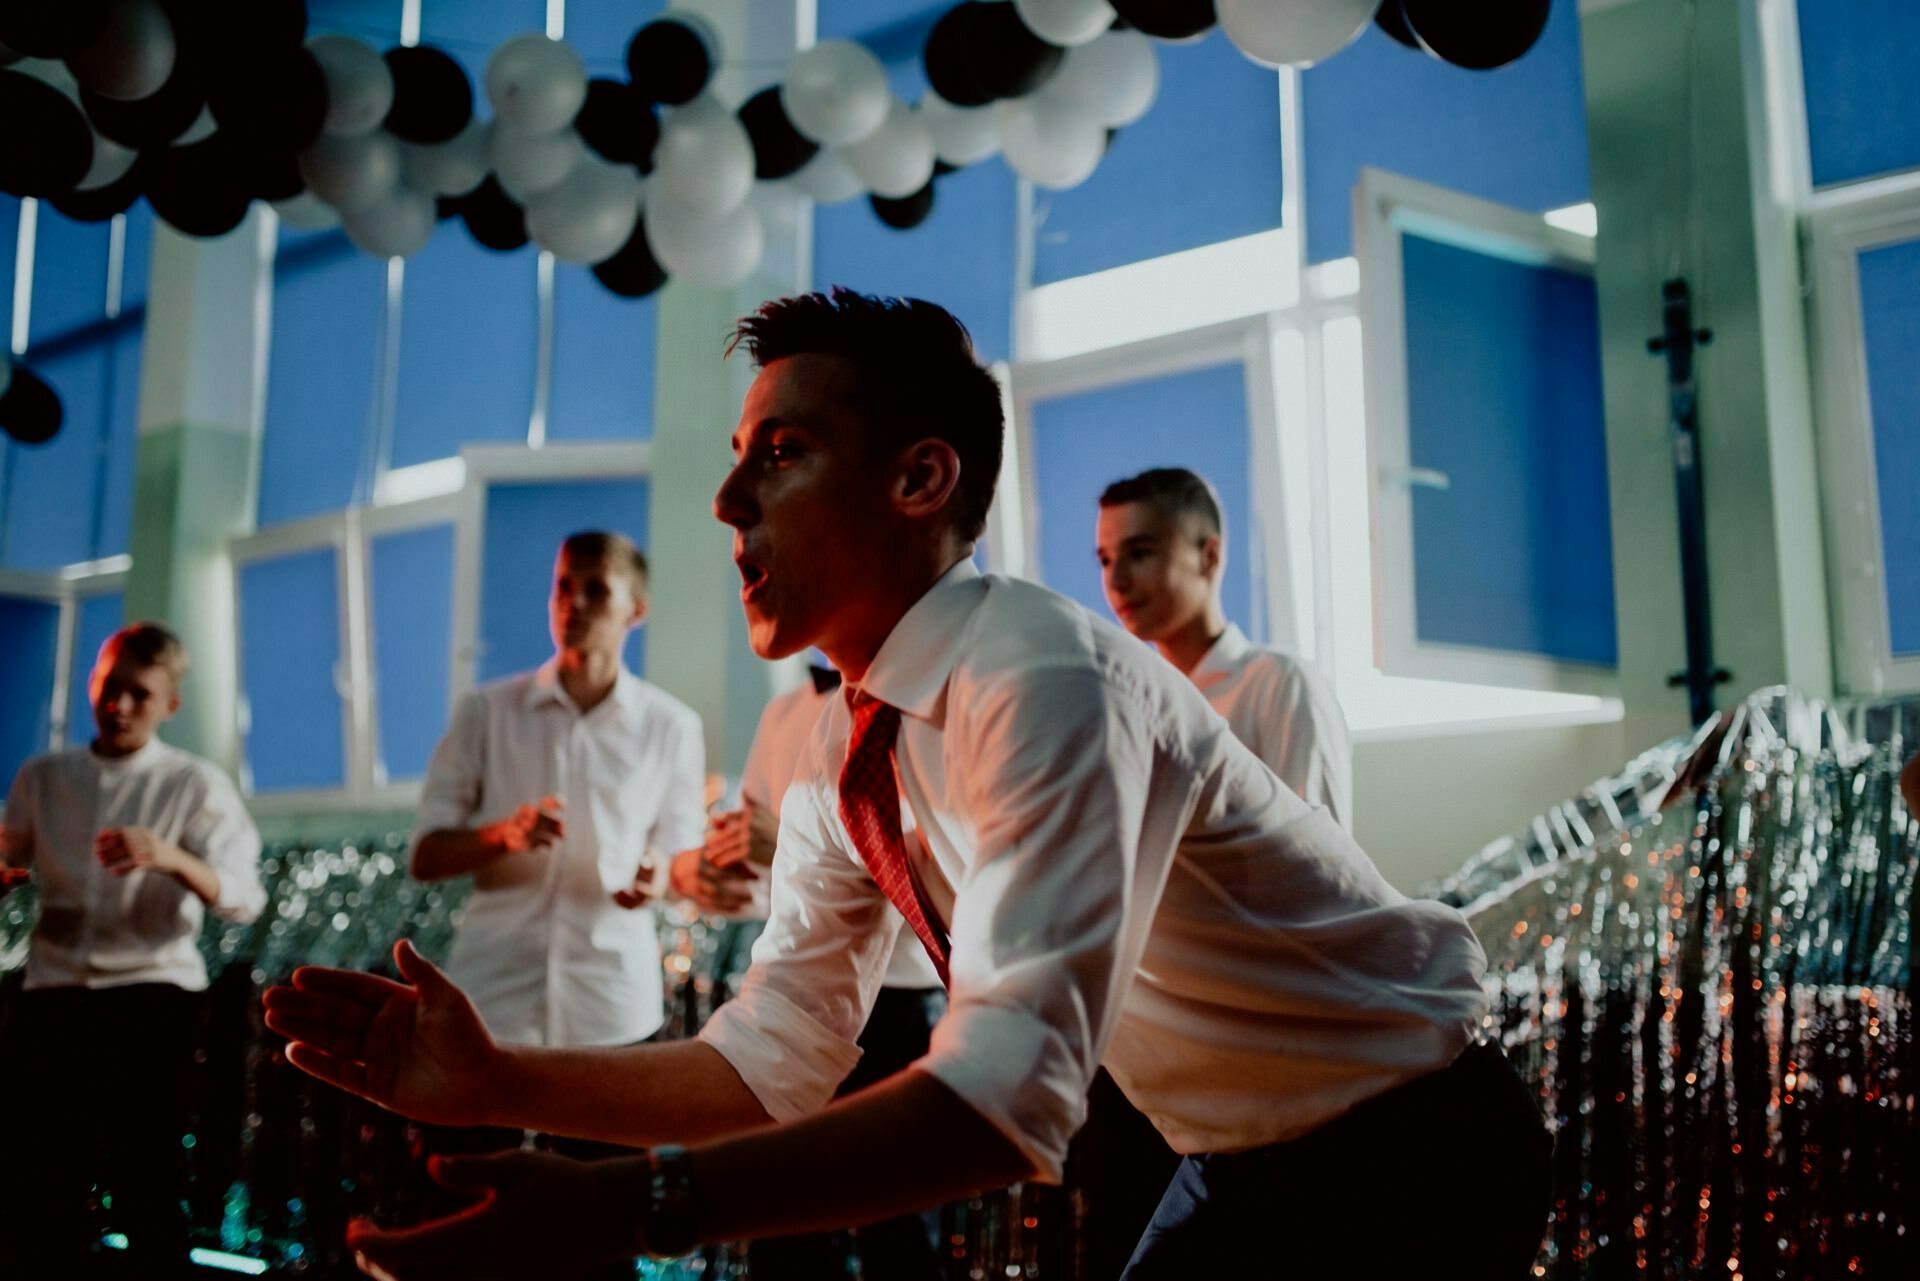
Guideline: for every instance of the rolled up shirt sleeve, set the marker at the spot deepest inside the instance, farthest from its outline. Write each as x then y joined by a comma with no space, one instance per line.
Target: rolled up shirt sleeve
223,835
1052,916
791,1032
451,794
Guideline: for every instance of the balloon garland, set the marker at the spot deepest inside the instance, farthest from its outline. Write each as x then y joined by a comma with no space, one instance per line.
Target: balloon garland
204,106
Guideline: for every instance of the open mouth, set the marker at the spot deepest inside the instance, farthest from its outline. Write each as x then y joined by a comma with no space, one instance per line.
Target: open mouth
753,577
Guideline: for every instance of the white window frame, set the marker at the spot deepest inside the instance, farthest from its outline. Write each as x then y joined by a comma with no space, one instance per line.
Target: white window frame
65,588
1387,207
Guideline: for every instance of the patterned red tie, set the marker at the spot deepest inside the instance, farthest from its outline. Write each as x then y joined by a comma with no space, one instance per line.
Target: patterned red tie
870,807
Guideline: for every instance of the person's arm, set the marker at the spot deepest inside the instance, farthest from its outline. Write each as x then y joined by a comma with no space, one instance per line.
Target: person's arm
222,835
680,823
126,850
16,832
455,851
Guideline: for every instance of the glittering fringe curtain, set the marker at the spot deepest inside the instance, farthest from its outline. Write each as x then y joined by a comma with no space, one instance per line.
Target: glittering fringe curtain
1715,1000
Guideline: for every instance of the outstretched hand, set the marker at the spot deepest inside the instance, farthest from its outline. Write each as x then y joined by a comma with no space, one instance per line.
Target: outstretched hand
416,1047
537,1215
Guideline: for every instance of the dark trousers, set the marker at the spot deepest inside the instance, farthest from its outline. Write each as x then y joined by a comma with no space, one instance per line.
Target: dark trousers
899,1249
1445,1176
97,1086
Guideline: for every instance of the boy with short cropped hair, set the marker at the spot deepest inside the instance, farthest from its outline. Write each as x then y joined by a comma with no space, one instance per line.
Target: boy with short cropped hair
130,840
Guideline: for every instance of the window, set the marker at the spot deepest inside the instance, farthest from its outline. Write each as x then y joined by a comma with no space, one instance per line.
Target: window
410,630
99,612
292,642
30,647
1857,63
51,627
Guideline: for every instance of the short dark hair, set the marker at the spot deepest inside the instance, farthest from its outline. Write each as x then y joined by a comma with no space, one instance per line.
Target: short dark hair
918,376
616,549
1173,491
148,644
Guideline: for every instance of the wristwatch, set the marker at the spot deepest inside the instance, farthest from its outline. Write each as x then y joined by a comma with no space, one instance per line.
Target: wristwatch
669,1229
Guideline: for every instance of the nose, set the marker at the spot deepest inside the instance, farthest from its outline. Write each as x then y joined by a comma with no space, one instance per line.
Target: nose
1116,579
732,503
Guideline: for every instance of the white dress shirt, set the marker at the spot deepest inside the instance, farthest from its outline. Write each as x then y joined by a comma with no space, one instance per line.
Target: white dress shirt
785,728
100,930
550,959
1123,882
1279,707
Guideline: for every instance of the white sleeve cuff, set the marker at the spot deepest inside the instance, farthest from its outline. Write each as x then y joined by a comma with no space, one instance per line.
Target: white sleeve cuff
788,1058
1014,1070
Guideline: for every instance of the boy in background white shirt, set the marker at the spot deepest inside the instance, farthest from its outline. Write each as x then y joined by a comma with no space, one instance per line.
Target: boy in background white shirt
130,841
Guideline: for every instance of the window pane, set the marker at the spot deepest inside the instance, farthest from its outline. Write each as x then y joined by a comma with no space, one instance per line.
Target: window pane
51,496
69,274
1503,390
961,257
289,649
137,263
602,361
9,253
328,303
1517,135
471,30
1085,442
600,32
1890,320
412,626
1215,129
121,404
29,633
525,525
98,618
1857,62
468,337
375,21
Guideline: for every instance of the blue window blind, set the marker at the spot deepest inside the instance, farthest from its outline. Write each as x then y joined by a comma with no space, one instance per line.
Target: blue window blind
1203,165
1857,60
1503,383
1517,135
600,32
469,334
98,618
602,361
375,21
137,260
1083,443
1890,319
289,650
70,261
412,631
29,634
329,304
470,30
9,249
525,525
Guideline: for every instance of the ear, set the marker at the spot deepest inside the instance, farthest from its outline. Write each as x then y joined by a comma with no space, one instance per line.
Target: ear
929,475
639,615
173,705
1212,556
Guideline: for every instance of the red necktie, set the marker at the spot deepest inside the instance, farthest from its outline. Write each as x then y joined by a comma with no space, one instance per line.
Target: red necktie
870,807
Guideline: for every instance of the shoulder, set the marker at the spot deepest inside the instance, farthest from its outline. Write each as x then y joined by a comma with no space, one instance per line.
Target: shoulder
651,701
206,780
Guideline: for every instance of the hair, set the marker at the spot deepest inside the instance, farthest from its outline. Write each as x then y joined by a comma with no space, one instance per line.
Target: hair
917,376
150,645
616,549
1174,492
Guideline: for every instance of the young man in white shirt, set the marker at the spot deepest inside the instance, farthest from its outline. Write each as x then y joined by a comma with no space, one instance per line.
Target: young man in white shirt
1162,550
130,841
1104,875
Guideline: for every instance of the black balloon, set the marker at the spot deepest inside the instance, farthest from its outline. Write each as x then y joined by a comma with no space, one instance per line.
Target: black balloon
906,212
980,51
268,173
432,98
1478,36
51,28
276,98
1167,19
234,31
30,412
445,207
669,61
45,145
618,122
1392,19
160,117
197,189
101,203
632,272
778,148
493,218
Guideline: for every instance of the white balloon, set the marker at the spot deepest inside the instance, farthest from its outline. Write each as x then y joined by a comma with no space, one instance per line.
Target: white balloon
827,179
1294,33
897,158
133,55
352,173
398,226
961,135
450,168
307,212
359,84
704,160
590,215
702,249
536,84
835,92
110,164
1111,81
1047,143
1065,22
530,163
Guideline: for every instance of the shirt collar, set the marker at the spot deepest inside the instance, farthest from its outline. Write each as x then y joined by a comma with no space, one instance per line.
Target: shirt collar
545,687
910,672
1230,648
139,758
